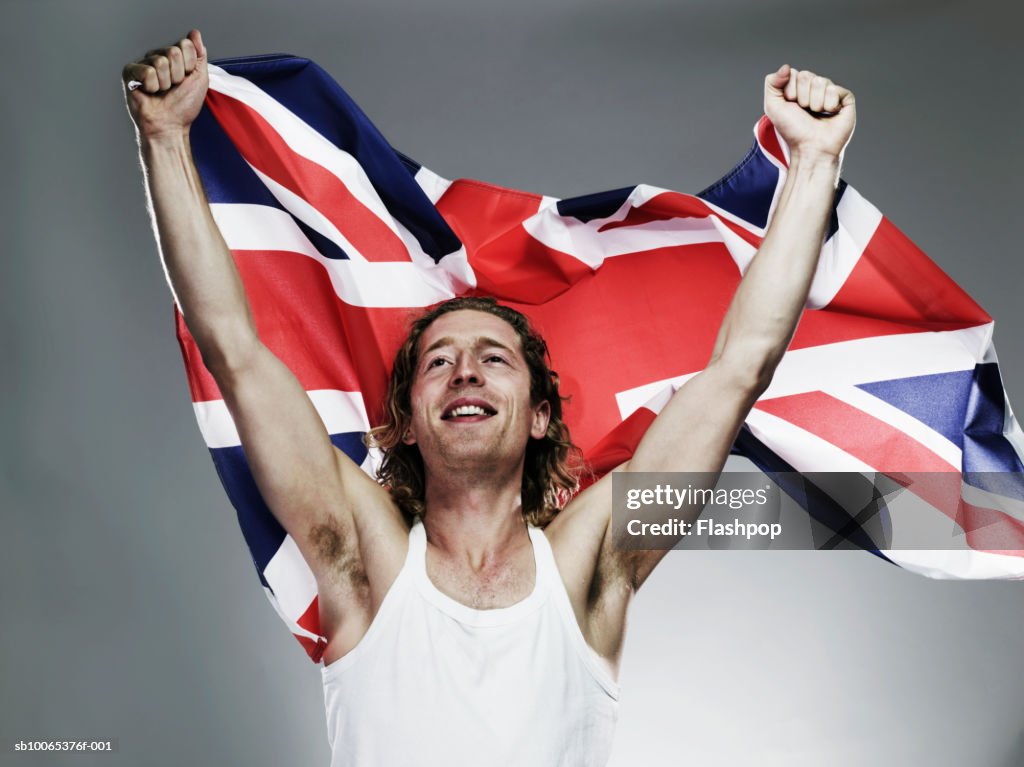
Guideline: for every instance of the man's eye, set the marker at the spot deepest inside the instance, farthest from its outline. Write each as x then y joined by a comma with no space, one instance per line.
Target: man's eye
494,358
436,362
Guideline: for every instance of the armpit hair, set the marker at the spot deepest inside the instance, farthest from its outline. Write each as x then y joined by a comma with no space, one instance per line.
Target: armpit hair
339,552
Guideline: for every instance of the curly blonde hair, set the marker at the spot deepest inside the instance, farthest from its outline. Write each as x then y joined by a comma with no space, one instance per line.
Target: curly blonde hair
553,463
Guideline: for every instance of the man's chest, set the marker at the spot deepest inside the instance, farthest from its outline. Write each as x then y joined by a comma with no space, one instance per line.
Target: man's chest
488,588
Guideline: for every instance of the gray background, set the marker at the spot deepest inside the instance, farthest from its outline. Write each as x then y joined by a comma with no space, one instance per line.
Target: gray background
130,608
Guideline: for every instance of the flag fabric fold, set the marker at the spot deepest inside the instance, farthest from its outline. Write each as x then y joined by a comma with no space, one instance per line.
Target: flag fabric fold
340,239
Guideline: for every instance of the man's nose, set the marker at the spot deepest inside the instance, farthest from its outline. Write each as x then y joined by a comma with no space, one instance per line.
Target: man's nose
466,371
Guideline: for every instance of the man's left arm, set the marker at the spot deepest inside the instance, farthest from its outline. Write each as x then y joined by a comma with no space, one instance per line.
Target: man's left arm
695,431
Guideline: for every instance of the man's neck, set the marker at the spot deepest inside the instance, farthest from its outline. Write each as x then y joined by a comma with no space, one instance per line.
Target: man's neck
475,525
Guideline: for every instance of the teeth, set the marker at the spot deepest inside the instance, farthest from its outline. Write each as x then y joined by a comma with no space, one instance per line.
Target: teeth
467,410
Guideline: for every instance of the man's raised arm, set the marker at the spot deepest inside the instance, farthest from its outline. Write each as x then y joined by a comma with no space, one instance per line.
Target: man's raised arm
696,429
310,486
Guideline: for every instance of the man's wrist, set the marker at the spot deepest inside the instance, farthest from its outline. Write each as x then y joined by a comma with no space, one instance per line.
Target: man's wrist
171,138
815,164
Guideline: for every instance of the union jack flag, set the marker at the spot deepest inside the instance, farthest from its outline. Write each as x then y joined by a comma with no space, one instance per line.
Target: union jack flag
339,239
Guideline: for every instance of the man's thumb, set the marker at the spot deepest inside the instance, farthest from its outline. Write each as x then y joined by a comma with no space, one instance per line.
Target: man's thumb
779,78
197,40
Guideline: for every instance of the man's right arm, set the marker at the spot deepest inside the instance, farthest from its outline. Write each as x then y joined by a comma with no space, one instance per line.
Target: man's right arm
313,489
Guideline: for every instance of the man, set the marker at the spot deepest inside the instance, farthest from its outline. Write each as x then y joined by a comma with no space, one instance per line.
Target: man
468,636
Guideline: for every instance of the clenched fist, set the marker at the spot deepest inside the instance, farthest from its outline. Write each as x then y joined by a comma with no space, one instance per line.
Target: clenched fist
815,116
165,89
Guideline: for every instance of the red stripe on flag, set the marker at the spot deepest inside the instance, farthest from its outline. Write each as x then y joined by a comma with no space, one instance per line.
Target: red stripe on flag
325,342
991,530
869,439
509,263
669,205
266,151
310,620
314,647
769,141
889,450
619,445
894,280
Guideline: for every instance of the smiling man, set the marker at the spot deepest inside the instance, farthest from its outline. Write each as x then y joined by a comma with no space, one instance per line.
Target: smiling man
474,607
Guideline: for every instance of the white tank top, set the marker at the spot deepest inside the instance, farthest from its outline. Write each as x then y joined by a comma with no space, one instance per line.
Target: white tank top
434,682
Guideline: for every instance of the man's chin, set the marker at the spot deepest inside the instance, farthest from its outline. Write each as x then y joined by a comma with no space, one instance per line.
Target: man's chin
476,452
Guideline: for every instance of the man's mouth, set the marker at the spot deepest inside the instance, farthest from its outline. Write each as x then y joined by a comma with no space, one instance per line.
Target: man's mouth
467,410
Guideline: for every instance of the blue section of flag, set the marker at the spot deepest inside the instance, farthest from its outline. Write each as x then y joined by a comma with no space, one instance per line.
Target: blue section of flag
917,396
833,219
747,192
819,505
226,175
351,444
326,247
587,207
986,450
263,534
310,93
228,178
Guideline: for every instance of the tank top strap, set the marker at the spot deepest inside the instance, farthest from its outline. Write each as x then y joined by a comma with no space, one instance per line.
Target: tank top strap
417,539
547,571
415,566
549,577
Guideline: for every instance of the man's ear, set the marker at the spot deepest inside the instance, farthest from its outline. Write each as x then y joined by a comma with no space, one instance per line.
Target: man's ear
408,438
541,418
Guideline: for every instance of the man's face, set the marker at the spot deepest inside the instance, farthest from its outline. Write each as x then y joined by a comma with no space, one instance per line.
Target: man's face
471,404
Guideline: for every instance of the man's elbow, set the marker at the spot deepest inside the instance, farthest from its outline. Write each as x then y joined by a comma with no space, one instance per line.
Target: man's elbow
747,367
228,349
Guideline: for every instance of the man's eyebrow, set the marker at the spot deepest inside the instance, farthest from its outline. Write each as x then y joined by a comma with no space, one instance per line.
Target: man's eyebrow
446,341
487,341
479,342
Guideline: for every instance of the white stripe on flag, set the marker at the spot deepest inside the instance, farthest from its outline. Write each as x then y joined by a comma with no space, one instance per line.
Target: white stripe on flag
849,363
959,564
291,623
989,500
388,284
858,221
341,411
433,185
583,240
804,451
902,421
304,140
914,520
310,216
1012,430
291,579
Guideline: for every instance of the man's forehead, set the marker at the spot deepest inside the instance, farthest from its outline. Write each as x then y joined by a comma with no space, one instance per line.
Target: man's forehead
472,327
